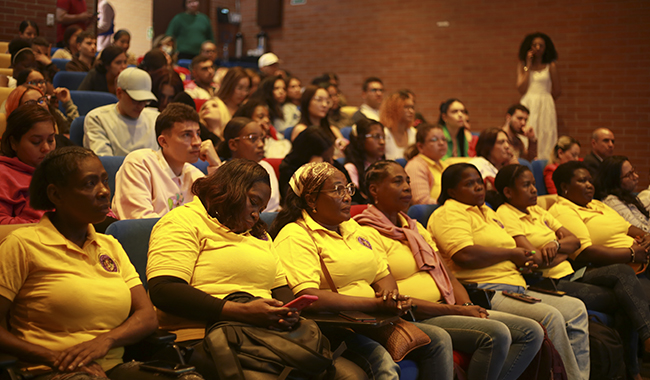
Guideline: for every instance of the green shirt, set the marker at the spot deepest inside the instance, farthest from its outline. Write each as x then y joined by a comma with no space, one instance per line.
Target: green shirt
190,31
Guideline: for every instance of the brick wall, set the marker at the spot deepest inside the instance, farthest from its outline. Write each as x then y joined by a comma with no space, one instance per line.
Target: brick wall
603,52
13,12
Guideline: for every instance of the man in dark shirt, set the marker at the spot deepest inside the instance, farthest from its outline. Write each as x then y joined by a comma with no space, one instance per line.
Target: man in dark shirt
602,146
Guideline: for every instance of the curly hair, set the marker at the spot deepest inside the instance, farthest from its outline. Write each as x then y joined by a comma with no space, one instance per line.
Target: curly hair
265,92
223,193
550,54
608,182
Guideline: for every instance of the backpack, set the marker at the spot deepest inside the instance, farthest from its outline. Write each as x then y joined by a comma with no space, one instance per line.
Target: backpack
605,351
547,364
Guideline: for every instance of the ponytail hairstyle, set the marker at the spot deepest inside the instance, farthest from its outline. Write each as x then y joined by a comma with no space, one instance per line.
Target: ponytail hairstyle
506,177
564,143
231,131
376,173
420,138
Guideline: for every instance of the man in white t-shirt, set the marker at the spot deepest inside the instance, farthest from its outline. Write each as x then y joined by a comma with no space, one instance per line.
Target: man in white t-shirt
372,95
118,129
150,183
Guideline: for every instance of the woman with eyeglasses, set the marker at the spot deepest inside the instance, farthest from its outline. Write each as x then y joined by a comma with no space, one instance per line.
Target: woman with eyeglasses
425,165
314,235
314,105
397,114
367,146
29,136
244,138
616,186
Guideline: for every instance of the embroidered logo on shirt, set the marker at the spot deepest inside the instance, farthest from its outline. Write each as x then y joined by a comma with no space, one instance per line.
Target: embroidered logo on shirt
107,263
546,222
175,201
364,242
499,223
264,237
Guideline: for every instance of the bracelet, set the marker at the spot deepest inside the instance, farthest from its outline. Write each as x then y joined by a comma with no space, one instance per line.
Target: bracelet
468,304
632,253
557,243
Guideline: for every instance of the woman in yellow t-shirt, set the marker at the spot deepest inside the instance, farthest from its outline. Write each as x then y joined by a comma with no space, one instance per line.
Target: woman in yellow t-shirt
425,166
609,288
314,235
473,240
443,304
71,296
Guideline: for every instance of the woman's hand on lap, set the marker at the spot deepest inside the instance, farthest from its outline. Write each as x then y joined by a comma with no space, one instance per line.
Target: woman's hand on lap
265,312
83,354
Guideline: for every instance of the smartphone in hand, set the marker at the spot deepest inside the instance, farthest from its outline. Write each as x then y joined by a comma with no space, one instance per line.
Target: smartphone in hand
302,302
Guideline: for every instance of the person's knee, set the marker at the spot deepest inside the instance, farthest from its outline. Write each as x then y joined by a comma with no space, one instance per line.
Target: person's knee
344,369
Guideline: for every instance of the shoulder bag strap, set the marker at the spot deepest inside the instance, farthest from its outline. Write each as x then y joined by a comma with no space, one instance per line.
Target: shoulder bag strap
326,272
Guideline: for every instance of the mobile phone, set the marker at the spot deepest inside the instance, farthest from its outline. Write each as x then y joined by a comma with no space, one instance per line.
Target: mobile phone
166,367
357,316
521,297
302,302
552,292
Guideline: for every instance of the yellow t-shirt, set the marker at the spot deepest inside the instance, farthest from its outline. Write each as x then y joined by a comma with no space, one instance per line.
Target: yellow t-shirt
410,279
350,258
63,295
595,224
539,227
189,244
456,225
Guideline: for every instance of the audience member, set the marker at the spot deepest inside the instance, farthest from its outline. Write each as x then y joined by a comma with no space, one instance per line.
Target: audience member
337,118
122,38
201,86
616,187
84,60
190,29
644,197
444,307
492,153
42,49
367,146
539,83
425,165
275,145
516,126
269,64
454,120
244,138
372,95
234,88
103,76
29,136
397,114
154,60
602,146
294,92
473,240
255,79
28,30
567,149
314,145
150,183
118,129
166,85
314,233
209,49
71,12
75,305
315,104
611,289
214,116
165,44
22,58
69,48
105,24
273,90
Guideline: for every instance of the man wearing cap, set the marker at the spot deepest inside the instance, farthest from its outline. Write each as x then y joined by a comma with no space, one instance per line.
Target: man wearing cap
269,65
118,129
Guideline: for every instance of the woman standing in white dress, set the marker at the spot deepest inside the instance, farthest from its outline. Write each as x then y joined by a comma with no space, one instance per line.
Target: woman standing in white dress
539,83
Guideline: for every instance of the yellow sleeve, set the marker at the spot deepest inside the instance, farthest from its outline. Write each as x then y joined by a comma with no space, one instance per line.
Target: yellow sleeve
452,231
14,266
570,219
513,225
550,220
173,249
127,270
299,256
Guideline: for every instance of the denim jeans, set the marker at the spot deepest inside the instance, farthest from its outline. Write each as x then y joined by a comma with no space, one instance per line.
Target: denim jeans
501,347
565,319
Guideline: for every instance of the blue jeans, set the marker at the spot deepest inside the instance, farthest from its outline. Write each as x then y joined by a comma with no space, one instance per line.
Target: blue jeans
501,347
565,319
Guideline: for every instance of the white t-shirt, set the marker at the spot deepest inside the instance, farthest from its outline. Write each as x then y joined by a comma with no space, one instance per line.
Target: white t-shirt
274,201
392,150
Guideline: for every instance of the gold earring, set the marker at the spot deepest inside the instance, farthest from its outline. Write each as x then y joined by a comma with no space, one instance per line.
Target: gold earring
313,210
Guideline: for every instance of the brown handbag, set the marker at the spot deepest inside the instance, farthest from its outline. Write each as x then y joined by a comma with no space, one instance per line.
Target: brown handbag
398,338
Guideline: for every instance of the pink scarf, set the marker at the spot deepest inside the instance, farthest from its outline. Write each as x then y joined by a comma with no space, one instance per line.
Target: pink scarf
425,258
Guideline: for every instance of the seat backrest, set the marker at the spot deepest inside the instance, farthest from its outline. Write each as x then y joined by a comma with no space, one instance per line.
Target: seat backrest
60,63
68,79
526,163
77,130
4,46
268,217
538,174
357,209
345,131
3,123
87,101
134,236
275,163
185,63
4,93
5,60
7,72
287,133
111,164
421,213
202,166
401,161
546,201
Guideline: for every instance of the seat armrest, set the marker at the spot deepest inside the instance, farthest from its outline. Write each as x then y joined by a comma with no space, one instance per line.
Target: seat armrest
161,337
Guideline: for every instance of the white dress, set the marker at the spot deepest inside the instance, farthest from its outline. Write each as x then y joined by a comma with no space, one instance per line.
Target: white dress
542,116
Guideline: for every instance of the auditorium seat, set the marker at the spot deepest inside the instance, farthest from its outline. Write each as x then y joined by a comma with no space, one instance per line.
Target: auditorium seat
357,209
60,64
87,101
185,63
4,93
345,131
287,133
3,123
5,60
401,161
202,166
134,236
421,213
538,173
275,162
77,130
111,164
68,79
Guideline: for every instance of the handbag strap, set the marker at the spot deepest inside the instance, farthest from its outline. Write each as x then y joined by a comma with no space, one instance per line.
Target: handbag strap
326,272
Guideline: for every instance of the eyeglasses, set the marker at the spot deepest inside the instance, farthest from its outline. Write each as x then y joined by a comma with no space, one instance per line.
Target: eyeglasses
376,136
253,137
341,190
322,100
376,90
436,139
39,82
40,101
629,174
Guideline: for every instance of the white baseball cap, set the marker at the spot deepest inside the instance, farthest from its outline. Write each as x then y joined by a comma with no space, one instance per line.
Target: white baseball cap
267,59
136,83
